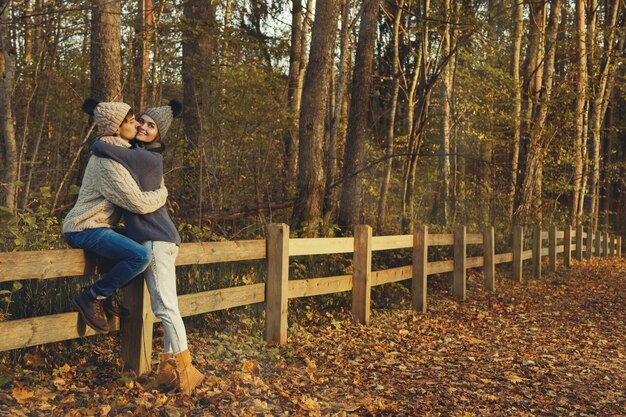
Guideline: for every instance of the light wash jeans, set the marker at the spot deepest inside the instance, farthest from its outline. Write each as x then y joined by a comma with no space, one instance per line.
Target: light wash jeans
161,281
131,257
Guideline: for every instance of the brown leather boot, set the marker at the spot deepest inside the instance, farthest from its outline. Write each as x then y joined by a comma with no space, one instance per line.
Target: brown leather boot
113,307
91,311
167,378
188,376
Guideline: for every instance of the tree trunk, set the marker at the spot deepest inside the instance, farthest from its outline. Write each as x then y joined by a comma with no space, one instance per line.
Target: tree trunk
291,135
518,17
595,118
106,57
581,98
358,127
306,27
384,188
446,92
308,208
330,198
143,41
7,119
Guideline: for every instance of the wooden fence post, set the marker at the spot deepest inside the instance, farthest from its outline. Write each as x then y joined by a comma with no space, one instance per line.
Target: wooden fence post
579,243
489,267
362,274
589,247
277,285
598,243
136,329
619,246
552,249
537,252
567,246
605,244
459,285
612,240
420,265
518,250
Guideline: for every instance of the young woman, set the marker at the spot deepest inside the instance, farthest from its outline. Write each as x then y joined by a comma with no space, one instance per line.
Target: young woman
158,234
106,186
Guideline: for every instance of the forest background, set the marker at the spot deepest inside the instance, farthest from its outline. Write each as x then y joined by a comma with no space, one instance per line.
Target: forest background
322,115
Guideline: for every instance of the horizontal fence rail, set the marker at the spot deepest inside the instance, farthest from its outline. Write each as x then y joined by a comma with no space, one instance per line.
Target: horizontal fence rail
278,289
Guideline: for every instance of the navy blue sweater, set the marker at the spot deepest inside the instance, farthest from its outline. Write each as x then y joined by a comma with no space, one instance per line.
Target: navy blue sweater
147,169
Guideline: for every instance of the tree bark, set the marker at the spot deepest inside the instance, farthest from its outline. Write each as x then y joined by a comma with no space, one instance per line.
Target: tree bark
518,18
143,41
293,102
308,208
389,143
581,98
7,119
339,115
106,57
358,127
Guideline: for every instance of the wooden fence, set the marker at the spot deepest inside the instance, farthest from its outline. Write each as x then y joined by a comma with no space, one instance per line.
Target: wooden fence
136,330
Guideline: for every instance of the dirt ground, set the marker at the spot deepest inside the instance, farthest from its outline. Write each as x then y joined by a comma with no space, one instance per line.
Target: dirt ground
549,348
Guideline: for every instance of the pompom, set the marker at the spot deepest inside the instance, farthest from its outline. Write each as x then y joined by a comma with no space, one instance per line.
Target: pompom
177,107
89,106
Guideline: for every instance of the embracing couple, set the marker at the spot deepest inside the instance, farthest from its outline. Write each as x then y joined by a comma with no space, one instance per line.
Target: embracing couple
124,177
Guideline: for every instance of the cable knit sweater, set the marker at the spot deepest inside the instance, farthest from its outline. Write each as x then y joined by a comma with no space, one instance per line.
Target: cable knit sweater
106,186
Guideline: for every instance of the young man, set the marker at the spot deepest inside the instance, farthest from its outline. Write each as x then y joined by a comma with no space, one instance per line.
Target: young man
106,186
157,233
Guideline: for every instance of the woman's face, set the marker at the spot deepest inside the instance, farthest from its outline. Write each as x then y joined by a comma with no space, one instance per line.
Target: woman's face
147,130
127,129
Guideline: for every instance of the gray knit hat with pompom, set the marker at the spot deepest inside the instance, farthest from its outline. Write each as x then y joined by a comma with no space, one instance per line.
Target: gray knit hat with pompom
163,115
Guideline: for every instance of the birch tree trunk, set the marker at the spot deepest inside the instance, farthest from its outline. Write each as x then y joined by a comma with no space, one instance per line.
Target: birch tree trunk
446,92
581,98
7,120
518,18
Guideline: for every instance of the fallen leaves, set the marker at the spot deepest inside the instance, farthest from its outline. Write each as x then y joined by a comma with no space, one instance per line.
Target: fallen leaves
549,347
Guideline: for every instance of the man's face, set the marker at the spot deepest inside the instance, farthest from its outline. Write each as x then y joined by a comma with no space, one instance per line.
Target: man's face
128,128
147,130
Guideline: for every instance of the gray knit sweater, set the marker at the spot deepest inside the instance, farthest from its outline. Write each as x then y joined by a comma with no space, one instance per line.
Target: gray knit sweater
106,186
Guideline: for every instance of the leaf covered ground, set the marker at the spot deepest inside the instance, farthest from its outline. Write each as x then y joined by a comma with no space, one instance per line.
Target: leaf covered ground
554,347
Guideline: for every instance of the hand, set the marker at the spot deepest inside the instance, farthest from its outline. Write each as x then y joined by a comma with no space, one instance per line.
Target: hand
108,139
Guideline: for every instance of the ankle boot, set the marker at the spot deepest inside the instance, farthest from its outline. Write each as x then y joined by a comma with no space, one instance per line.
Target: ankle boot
91,310
113,307
167,378
188,376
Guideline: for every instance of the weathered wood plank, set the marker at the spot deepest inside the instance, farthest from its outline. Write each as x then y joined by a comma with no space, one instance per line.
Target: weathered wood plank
589,243
474,239
552,249
419,289
475,262
503,258
276,290
362,274
320,286
567,246
136,329
527,254
222,299
518,249
392,242
489,248
320,246
75,262
390,275
47,329
605,244
460,274
538,237
579,243
439,267
441,239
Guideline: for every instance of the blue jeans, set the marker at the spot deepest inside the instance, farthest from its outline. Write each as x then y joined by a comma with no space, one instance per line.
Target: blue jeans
132,258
